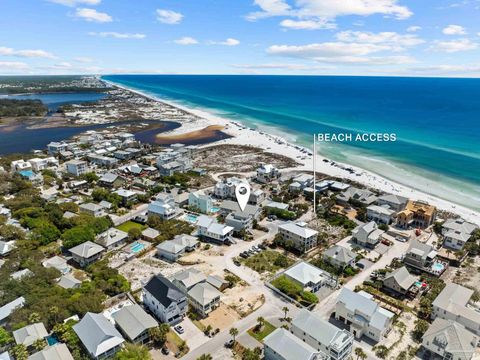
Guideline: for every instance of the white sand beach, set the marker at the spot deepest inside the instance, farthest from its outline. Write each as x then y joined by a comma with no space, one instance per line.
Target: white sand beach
276,144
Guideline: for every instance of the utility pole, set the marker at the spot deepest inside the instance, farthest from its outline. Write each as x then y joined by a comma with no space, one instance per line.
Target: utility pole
314,177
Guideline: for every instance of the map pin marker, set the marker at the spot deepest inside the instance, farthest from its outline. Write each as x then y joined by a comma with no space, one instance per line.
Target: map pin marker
242,192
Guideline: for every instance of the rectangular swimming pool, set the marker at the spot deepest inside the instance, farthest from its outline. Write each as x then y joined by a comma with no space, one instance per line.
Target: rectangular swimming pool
137,247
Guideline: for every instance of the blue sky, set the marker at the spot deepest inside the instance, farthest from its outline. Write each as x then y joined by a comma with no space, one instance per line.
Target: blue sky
357,37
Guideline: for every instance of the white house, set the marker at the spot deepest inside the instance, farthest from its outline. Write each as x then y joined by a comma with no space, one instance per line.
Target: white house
363,314
452,304
204,298
449,340
171,250
267,173
112,238
209,229
299,235
322,336
163,206
380,214
368,235
225,189
76,167
309,277
165,300
282,345
91,209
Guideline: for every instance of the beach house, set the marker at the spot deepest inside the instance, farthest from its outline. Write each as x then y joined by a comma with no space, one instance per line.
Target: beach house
417,214
86,253
456,233
309,277
399,281
267,173
367,235
171,250
321,335
298,235
112,238
447,339
225,189
163,206
98,336
395,202
76,167
210,230
199,200
363,315
134,323
453,304
380,214
282,345
339,256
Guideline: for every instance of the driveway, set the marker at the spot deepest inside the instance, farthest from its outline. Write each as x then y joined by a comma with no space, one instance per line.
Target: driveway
192,335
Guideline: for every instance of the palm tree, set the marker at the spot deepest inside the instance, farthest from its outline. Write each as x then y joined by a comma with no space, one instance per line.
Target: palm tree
20,352
360,353
34,318
260,322
39,344
233,332
285,311
205,357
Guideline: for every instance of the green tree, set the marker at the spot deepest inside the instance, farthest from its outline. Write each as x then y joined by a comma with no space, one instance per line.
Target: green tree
421,326
133,352
39,344
90,177
233,333
205,357
34,318
285,311
159,334
5,337
360,353
20,352
134,234
260,323
77,235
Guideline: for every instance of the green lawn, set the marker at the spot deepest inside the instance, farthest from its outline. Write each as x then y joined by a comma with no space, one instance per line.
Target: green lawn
130,225
268,261
266,329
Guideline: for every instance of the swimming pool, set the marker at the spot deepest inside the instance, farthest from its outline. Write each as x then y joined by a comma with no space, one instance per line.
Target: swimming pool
137,247
438,267
52,340
215,209
191,218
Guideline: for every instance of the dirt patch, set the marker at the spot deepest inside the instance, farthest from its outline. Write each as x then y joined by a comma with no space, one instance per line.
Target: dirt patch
222,318
243,299
241,158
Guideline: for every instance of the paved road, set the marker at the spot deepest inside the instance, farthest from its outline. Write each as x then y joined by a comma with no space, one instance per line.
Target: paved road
117,220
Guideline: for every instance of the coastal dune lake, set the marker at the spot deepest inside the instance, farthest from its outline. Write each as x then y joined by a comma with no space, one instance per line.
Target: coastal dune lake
436,120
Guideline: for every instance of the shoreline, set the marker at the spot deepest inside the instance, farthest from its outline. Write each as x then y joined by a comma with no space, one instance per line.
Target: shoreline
242,134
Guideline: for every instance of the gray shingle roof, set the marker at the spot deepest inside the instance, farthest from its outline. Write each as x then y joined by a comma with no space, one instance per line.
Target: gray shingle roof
97,334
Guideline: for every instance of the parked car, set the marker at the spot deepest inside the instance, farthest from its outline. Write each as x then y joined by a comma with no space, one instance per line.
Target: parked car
165,351
179,329
262,246
244,255
229,344
236,262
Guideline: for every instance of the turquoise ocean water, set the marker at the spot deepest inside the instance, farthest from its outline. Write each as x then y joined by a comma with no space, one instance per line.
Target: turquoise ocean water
436,120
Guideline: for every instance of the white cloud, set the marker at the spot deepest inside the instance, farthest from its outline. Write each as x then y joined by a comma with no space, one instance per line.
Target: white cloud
228,42
169,17
281,66
454,30
12,65
414,29
93,15
340,52
117,35
453,45
186,40
308,24
328,9
447,68
26,53
396,42
73,3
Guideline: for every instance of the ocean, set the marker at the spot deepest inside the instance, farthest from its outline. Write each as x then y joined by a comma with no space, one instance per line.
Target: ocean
436,120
